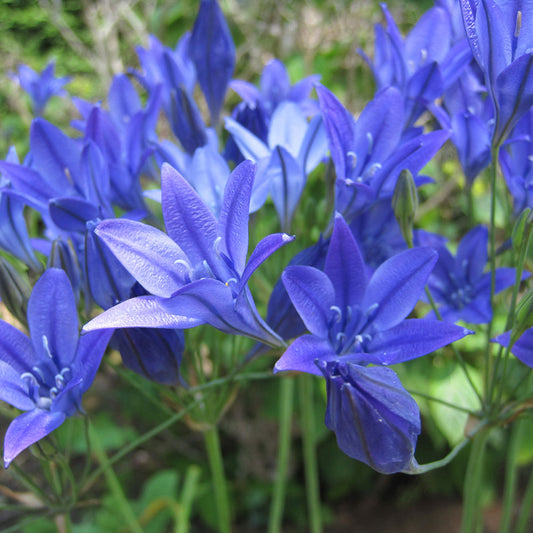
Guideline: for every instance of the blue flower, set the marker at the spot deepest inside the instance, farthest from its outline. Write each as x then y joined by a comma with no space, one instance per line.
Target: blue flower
275,87
212,51
500,33
459,285
197,273
522,348
295,147
516,160
46,374
354,323
40,86
374,418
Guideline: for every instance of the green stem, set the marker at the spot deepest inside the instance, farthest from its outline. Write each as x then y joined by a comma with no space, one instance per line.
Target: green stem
113,483
493,171
456,352
188,493
511,469
284,444
214,453
525,509
472,507
309,452
141,440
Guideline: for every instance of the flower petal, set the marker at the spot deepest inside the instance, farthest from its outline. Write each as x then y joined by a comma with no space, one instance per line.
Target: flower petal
302,354
397,285
27,429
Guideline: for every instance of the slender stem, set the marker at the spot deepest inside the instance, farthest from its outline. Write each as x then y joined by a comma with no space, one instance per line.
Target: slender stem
443,402
309,452
284,443
214,453
113,483
142,439
493,171
509,493
525,509
456,352
472,508
188,493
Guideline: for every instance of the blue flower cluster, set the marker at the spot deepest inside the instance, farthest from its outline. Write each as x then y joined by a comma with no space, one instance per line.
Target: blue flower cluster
341,309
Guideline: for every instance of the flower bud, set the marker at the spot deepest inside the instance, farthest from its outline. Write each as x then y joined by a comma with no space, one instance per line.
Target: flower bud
405,204
523,317
522,230
14,290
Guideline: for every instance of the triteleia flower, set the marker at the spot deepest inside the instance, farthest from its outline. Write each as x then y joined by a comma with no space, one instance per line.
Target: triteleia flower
295,147
197,273
374,418
40,86
500,33
46,374
459,285
212,51
354,323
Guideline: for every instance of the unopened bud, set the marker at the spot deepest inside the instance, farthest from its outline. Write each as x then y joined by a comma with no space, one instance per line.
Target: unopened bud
523,316
522,230
14,290
405,204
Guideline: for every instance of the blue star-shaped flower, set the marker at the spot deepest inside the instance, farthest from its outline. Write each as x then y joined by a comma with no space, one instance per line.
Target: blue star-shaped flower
197,273
354,323
46,374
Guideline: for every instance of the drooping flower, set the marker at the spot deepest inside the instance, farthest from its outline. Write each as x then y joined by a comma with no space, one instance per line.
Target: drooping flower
374,418
352,323
46,374
198,273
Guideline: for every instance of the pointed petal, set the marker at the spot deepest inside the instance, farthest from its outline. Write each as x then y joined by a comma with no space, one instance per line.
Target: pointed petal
233,222
287,127
397,285
188,221
472,253
302,354
151,257
340,126
287,182
140,312
27,429
12,388
249,144
312,294
345,266
264,249
53,318
412,338
90,352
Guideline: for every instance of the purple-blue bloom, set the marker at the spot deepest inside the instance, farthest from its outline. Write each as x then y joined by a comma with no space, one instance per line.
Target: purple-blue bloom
516,160
374,418
295,147
198,273
46,374
353,323
40,86
500,33
459,285
212,51
522,348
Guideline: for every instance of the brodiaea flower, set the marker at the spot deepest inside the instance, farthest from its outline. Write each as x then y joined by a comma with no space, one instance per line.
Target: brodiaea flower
354,323
46,374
